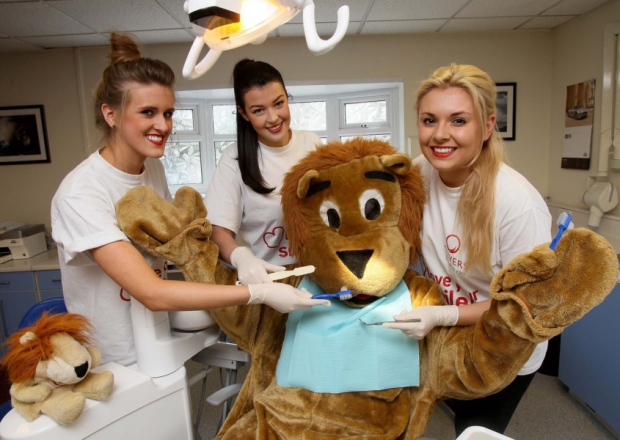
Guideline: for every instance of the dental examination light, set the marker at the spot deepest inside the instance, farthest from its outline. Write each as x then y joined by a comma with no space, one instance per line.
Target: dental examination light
600,197
228,24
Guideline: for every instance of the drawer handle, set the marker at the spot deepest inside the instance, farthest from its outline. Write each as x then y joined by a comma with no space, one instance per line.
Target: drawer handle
5,283
56,280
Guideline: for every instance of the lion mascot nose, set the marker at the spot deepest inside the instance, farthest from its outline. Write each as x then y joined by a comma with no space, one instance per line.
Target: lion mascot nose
356,261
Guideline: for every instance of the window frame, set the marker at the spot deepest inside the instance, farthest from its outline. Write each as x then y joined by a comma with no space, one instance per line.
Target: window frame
200,125
334,106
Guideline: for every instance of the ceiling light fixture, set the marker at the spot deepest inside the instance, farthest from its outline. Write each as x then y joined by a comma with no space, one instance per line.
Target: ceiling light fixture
228,24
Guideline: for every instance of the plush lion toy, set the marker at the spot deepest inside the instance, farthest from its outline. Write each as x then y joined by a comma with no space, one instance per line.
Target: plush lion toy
49,367
353,210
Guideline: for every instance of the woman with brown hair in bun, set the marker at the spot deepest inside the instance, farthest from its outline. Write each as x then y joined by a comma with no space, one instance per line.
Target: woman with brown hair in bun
100,267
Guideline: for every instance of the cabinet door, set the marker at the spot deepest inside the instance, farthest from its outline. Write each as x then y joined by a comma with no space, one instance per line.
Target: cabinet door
49,283
17,295
590,359
11,281
13,307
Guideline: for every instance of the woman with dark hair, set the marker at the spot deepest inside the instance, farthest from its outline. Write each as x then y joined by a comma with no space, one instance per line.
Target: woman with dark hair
100,267
243,199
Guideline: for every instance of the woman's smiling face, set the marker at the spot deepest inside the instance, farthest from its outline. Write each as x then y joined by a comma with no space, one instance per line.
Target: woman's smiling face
266,108
449,132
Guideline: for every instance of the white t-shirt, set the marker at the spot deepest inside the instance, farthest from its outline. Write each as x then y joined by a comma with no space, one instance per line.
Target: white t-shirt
522,221
84,218
257,218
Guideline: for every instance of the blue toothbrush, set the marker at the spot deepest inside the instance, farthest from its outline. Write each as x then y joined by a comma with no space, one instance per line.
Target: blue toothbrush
564,223
343,295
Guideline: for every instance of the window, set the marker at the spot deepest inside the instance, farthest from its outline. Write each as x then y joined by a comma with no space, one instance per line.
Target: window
366,116
204,127
182,158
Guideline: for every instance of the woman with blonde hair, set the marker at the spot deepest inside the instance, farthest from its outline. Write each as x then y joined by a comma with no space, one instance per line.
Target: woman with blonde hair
479,214
100,267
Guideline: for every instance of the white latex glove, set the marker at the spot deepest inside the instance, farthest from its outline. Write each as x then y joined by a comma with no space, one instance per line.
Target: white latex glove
430,317
283,298
250,268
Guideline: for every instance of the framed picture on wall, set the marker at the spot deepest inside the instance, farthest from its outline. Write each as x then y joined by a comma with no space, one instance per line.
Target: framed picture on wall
506,110
23,136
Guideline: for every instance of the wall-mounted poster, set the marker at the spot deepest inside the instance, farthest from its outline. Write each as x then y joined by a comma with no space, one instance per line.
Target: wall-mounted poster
578,125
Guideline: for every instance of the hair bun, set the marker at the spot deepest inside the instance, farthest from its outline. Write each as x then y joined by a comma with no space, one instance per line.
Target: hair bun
124,48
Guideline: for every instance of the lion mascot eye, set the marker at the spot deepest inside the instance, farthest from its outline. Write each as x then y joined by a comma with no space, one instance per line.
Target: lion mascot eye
371,204
330,213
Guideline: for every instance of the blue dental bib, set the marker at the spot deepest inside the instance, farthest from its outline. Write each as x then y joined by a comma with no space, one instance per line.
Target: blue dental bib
327,349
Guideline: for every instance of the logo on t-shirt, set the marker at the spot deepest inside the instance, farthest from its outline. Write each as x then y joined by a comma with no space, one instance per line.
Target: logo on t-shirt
274,237
277,239
453,243
453,246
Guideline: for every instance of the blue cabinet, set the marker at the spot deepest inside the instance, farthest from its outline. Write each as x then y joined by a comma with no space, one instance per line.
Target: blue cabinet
17,295
590,359
49,283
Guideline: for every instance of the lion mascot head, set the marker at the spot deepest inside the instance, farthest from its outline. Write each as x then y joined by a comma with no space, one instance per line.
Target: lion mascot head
362,201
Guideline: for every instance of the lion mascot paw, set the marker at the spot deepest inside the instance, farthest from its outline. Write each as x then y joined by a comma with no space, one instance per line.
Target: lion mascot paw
49,366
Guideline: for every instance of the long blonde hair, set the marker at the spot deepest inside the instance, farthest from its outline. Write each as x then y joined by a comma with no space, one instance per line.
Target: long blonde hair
476,208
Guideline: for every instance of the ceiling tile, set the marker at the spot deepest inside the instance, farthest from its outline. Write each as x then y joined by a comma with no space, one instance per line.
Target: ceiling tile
414,10
483,24
41,20
13,45
326,11
175,8
546,22
118,15
574,7
325,30
68,41
164,36
504,8
50,23
401,27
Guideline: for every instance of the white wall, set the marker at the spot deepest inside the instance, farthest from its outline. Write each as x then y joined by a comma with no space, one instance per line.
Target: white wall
577,57
63,82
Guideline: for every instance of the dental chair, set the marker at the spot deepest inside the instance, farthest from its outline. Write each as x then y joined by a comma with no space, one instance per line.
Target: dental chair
151,398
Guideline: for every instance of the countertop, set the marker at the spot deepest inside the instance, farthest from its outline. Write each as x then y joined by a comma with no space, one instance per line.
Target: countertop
47,260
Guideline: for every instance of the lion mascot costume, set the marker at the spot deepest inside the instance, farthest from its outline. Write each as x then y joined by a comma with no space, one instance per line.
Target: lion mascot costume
353,210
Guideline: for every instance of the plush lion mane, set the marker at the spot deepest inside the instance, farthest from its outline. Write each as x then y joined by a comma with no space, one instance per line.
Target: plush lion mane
338,153
21,360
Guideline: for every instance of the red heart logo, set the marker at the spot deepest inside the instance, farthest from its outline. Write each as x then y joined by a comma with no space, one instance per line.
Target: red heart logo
272,239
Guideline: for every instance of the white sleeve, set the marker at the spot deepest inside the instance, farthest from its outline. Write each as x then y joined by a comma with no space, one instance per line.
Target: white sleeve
85,222
224,199
523,233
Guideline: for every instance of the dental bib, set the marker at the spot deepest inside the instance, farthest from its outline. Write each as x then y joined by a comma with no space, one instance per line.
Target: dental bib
328,350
